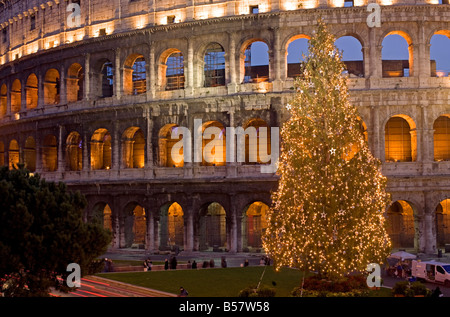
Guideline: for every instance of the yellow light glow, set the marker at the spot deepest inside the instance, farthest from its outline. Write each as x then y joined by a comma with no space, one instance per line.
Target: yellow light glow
290,5
218,12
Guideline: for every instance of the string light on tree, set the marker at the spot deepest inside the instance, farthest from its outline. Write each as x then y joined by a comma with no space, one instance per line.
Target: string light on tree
327,213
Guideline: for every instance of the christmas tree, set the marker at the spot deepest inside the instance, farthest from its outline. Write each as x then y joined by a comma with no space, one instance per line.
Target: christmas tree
327,213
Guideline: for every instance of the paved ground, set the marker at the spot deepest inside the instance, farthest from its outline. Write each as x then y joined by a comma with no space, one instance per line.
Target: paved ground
98,287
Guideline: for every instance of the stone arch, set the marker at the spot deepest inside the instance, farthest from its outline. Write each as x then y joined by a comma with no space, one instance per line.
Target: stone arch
75,82
31,89
172,69
354,62
101,153
251,70
441,138
440,66
29,154
52,87
50,153
213,144
2,153
212,227
135,75
134,226
133,148
254,223
400,139
103,78
297,42
442,222
101,213
165,145
171,226
398,68
257,141
3,100
16,96
213,63
402,225
14,154
74,151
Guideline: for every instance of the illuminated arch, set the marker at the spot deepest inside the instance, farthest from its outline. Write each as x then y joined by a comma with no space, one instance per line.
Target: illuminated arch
133,148
3,100
29,154
402,65
401,224
443,223
74,152
14,154
165,145
214,65
50,153
255,61
135,75
254,225
16,96
213,146
52,87
101,150
31,89
295,48
441,138
400,139
75,83
171,226
212,227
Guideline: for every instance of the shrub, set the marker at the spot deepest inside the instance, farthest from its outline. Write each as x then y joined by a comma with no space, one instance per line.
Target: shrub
400,288
349,286
262,291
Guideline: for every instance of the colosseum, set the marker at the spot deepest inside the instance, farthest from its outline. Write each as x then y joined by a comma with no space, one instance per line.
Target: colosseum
91,92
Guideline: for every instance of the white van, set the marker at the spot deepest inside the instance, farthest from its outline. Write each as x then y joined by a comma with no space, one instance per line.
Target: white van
431,271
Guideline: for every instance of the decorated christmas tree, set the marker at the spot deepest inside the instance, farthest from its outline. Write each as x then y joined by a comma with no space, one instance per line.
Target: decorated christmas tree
327,213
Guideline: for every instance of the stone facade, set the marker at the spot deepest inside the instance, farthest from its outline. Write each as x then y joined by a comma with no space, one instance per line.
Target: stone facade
55,107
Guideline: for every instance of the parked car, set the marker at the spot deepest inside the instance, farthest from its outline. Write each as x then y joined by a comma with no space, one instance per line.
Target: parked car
431,271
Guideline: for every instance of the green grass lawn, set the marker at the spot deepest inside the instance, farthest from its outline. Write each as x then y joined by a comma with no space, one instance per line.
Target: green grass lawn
217,282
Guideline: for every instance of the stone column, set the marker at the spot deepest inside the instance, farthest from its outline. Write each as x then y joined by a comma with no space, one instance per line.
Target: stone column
40,91
429,234
376,142
149,164
232,86
153,79
116,148
277,60
87,76
117,74
189,232
23,96
85,153
61,165
190,66
62,86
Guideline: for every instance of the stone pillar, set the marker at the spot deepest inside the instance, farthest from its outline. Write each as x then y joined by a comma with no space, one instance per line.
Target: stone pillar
87,76
277,61
61,165
233,245
153,79
8,100
232,86
376,142
62,86
23,97
149,144
40,90
116,148
429,234
117,74
190,66
189,232
85,153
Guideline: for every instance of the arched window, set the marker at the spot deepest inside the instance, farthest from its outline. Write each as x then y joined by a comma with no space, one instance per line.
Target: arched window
2,154
74,152
171,226
135,75
297,51
16,96
101,150
352,55
440,46
75,83
3,100
107,79
52,87
13,154
133,148
166,143
397,55
257,141
175,71
255,224
256,62
212,228
135,228
32,91
29,154
213,144
400,140
441,129
214,69
50,154
400,224
443,223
